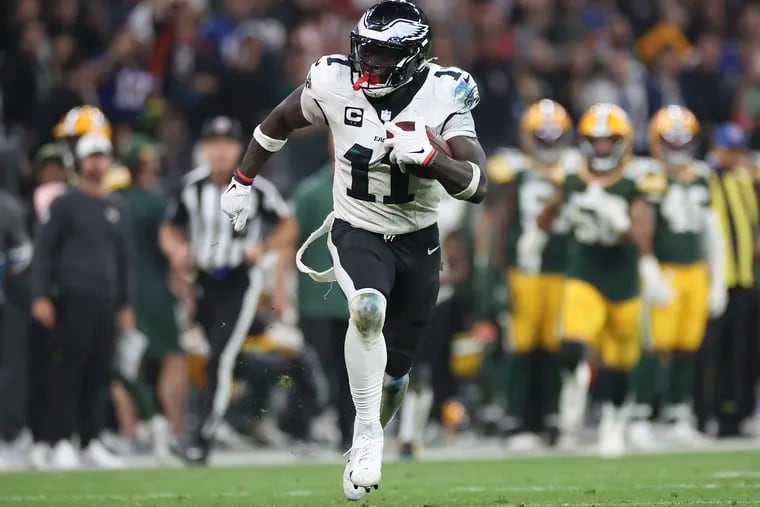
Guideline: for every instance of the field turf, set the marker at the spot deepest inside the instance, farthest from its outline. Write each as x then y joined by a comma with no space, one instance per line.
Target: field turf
689,479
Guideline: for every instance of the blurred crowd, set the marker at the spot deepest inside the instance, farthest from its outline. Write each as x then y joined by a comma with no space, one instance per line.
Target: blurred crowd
159,70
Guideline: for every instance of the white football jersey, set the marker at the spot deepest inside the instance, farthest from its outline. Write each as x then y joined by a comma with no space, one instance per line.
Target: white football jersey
368,192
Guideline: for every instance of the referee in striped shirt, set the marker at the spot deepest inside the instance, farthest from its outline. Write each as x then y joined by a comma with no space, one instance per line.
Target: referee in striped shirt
228,264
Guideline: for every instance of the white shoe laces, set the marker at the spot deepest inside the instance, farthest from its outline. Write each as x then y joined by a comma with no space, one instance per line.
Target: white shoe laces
367,449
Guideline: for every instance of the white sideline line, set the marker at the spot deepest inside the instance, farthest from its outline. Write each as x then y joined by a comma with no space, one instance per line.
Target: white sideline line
708,485
110,497
668,503
305,492
737,474
569,487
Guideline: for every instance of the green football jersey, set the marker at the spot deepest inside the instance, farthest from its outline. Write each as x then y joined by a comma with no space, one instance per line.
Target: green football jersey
532,190
596,254
681,217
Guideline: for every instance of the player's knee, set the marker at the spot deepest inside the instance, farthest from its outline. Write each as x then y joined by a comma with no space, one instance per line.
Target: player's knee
367,308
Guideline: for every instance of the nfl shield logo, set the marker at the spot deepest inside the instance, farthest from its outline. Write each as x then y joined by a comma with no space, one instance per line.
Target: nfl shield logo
385,115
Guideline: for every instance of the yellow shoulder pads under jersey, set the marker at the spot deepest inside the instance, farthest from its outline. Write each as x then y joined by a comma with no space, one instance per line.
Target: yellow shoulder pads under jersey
652,183
504,165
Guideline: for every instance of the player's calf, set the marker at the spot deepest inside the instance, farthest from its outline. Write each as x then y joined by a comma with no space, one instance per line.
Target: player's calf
394,391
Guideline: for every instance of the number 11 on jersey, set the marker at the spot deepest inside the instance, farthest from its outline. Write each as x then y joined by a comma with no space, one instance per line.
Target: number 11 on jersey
360,158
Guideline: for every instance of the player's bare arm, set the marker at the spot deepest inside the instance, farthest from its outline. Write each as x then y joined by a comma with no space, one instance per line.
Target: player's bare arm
456,173
656,288
277,126
462,174
551,211
503,212
641,231
174,244
282,241
268,138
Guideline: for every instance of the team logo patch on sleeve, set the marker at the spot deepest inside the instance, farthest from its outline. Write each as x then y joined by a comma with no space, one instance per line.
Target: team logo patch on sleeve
466,92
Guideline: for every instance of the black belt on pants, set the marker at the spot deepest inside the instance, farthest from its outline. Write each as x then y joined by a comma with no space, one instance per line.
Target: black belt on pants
222,274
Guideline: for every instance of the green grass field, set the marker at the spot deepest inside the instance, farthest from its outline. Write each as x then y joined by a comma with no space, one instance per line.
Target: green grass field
715,478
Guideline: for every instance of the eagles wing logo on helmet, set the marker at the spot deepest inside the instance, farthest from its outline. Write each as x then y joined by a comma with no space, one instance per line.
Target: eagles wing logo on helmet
398,31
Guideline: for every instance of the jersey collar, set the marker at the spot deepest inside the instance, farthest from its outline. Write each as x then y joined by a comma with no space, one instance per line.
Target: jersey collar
390,106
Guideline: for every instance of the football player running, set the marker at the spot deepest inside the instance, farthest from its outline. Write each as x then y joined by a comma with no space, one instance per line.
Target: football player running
689,246
527,179
382,236
610,208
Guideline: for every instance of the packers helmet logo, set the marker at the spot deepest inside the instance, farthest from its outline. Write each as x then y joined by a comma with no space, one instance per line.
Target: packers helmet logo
82,120
605,120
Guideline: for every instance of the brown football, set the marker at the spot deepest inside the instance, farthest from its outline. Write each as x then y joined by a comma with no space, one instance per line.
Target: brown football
438,142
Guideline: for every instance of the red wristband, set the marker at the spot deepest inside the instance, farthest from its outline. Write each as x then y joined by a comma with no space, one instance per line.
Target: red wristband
242,178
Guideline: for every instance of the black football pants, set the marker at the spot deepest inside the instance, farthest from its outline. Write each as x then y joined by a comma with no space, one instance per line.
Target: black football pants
227,307
737,345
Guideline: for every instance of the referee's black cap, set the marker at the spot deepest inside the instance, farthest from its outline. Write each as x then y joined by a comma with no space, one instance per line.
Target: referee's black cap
222,126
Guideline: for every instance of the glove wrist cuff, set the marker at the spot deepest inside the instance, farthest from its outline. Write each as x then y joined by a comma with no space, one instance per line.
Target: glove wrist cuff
242,178
430,158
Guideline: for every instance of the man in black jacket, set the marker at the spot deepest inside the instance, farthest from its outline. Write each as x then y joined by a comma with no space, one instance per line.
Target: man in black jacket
15,254
80,285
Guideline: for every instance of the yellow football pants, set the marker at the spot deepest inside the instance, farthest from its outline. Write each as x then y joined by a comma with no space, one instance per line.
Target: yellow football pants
536,308
610,327
681,324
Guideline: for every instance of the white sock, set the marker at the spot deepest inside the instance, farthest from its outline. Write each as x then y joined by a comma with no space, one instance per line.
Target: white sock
422,413
365,364
406,423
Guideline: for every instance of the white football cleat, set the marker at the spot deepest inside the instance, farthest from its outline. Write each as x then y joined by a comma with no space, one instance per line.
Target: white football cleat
97,456
39,456
525,442
641,435
612,432
351,491
64,456
19,447
685,434
366,456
